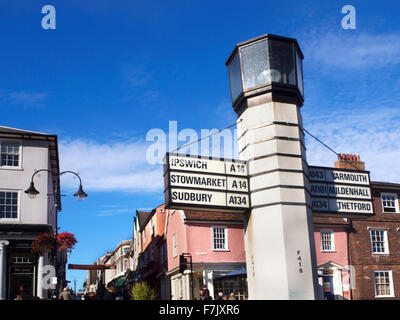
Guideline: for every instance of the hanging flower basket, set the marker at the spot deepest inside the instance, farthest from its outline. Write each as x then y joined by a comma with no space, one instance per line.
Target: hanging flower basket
43,243
66,241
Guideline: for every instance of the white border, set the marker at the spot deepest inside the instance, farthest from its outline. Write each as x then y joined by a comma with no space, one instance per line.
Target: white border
387,251
226,237
390,284
332,240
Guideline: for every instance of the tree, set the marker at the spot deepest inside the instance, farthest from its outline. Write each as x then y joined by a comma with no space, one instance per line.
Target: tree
142,291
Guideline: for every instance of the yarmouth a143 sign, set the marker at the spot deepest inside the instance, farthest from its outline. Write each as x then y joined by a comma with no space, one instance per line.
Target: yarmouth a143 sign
340,191
205,183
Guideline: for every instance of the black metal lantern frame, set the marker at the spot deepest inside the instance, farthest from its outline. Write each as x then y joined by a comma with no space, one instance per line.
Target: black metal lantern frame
268,63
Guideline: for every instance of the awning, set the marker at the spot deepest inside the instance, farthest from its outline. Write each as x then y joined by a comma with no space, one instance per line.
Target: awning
235,273
120,281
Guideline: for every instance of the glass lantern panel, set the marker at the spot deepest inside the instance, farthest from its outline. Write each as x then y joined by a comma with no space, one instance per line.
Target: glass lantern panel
299,67
234,77
282,62
255,64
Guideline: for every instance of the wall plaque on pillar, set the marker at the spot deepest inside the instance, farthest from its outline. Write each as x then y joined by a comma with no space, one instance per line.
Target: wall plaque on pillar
266,81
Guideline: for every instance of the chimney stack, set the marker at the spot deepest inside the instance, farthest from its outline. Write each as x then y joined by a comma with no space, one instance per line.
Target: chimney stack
349,161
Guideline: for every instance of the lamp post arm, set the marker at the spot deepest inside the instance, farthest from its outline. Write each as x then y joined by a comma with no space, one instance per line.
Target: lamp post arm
41,170
80,181
38,172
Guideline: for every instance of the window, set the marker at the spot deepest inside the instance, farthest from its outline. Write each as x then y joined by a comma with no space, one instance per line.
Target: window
327,243
220,239
9,154
162,252
174,247
383,284
389,202
125,265
151,227
379,242
22,260
8,205
126,250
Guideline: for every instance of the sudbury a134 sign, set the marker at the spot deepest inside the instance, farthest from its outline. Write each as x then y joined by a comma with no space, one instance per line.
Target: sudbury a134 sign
205,183
340,191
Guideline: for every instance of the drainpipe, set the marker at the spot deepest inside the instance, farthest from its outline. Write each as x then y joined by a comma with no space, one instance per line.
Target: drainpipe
349,257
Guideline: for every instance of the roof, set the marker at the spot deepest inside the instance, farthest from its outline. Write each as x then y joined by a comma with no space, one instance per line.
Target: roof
19,131
386,185
212,216
143,217
265,36
8,132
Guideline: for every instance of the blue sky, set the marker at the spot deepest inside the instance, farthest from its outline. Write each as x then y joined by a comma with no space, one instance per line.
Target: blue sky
113,70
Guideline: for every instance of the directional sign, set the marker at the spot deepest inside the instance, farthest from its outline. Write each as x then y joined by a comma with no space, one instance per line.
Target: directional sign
337,190
342,192
206,183
205,165
338,176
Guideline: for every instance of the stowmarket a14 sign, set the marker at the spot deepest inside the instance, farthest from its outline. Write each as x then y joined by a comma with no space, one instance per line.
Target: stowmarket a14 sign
205,183
340,191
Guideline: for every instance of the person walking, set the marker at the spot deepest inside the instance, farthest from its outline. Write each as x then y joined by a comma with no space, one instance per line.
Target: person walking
65,294
110,293
220,296
205,294
232,296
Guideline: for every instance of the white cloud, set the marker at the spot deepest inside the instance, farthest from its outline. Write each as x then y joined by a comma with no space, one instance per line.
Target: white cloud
116,166
356,50
374,135
27,99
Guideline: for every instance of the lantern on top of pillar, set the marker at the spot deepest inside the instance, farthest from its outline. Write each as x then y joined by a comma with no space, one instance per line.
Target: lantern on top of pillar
264,64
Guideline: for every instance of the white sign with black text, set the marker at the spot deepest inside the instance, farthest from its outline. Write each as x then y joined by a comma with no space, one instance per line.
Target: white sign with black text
340,191
206,183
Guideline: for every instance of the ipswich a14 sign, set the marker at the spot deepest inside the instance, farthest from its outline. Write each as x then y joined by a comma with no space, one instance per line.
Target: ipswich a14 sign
205,183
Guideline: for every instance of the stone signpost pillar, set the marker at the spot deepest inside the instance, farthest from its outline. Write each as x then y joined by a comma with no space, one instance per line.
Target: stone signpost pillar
267,92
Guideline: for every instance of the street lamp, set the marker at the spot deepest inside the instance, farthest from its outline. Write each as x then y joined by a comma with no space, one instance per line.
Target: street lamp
267,64
32,192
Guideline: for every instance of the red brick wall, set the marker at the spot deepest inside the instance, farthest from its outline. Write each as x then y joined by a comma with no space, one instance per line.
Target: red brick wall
361,257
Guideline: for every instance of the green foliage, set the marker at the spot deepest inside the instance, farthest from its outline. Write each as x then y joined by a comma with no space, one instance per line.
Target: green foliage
142,291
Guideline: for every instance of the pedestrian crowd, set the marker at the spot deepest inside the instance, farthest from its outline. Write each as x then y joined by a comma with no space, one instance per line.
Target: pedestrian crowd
205,295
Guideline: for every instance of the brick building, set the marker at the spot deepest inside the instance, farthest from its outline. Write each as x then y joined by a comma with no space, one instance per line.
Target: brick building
372,245
154,261
375,246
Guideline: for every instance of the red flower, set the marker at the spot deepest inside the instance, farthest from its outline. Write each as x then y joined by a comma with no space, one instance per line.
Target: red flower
66,241
43,242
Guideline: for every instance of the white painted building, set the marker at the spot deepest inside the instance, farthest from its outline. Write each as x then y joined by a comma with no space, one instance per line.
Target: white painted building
120,258
22,218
